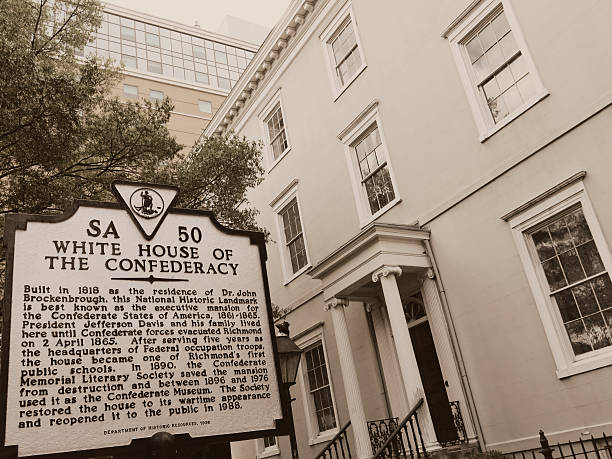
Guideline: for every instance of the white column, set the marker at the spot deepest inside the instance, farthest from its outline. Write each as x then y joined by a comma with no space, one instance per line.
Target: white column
349,376
403,344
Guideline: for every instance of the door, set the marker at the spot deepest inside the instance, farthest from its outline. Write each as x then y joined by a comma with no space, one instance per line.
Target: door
433,382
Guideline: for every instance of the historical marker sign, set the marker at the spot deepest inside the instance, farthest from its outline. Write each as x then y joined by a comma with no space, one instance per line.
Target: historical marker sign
123,320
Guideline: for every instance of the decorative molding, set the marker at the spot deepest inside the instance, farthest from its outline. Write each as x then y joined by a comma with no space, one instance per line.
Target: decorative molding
460,18
386,271
284,191
541,197
335,302
357,120
282,36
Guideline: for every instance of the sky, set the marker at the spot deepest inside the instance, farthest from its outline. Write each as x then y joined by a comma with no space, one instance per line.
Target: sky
210,13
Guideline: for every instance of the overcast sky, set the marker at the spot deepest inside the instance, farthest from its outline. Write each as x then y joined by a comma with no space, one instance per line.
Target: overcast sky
210,13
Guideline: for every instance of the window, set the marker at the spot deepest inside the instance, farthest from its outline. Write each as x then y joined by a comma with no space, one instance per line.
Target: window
274,129
292,240
130,90
129,61
154,67
567,263
344,53
375,177
371,172
495,65
267,446
577,280
156,95
318,386
205,106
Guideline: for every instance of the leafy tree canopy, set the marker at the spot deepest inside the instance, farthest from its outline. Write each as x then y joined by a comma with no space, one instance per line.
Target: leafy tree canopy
63,137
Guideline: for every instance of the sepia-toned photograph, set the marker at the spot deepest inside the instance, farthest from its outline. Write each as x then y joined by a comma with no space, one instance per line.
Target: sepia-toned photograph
316,229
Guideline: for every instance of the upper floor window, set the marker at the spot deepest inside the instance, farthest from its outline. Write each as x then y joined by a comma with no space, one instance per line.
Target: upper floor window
130,90
205,106
344,52
274,129
294,237
567,262
267,447
277,137
495,66
156,95
375,178
372,177
292,240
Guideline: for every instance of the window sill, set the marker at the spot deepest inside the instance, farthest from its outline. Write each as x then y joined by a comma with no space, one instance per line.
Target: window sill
279,159
340,91
298,273
515,114
271,452
323,437
600,360
381,212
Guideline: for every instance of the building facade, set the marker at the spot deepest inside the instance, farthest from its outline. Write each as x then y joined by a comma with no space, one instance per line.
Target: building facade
194,68
437,193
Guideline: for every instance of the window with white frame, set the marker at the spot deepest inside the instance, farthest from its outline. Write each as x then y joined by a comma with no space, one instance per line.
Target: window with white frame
292,240
156,95
318,387
277,137
375,178
130,90
567,262
344,53
294,236
372,177
495,65
274,130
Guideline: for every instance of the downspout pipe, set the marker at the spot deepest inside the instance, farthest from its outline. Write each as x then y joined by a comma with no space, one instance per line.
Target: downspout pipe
465,386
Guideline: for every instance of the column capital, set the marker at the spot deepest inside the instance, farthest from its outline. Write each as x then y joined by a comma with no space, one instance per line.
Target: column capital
372,305
385,271
335,303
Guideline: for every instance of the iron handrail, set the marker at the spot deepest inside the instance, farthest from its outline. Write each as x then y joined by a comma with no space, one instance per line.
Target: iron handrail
399,428
332,441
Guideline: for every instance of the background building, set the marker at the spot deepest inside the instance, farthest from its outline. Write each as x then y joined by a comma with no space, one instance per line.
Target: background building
194,67
438,194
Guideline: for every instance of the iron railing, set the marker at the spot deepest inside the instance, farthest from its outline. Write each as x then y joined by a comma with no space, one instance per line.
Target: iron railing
406,440
380,430
458,424
338,447
590,448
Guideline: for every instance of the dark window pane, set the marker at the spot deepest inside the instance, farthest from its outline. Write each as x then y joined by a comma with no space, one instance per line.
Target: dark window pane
585,299
571,266
543,244
603,290
567,305
590,258
554,275
578,337
578,227
597,331
561,236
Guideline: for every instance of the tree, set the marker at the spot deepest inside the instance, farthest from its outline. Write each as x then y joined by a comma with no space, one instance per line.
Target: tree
63,137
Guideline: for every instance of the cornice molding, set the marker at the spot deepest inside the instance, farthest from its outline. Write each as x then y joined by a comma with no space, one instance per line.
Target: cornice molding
276,45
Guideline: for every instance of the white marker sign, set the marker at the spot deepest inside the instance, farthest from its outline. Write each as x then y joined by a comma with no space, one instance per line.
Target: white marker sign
126,320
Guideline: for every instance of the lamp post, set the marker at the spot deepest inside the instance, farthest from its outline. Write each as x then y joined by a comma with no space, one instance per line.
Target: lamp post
289,354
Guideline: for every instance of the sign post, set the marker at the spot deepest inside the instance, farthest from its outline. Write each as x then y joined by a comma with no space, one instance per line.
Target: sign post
126,320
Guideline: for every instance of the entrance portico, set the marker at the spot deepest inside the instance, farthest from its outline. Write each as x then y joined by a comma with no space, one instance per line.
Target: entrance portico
378,270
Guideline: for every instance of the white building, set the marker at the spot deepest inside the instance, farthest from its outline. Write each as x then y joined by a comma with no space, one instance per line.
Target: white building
437,191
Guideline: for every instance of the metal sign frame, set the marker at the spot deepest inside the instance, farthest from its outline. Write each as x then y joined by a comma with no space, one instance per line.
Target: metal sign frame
14,222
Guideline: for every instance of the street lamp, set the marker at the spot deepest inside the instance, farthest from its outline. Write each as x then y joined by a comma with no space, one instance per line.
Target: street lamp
289,355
